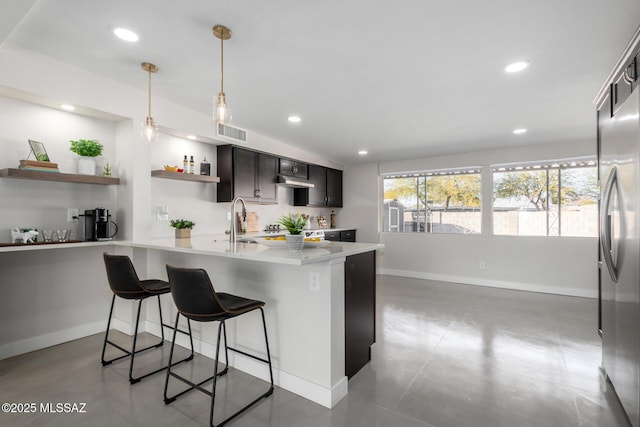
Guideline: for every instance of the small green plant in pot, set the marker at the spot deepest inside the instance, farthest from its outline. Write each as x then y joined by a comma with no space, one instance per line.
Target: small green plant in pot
294,225
183,228
87,149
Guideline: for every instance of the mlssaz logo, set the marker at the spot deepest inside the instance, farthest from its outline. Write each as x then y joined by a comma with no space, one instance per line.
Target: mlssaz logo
65,407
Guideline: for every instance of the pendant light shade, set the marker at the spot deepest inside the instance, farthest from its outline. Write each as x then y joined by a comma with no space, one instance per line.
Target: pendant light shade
221,111
149,127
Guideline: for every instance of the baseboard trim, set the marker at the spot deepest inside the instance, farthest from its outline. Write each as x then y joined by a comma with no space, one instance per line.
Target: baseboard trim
322,395
490,283
47,340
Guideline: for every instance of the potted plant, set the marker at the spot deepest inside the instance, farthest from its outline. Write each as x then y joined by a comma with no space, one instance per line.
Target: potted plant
183,228
87,149
294,225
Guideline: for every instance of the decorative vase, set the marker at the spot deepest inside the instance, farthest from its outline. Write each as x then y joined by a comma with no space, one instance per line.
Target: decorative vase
183,233
295,242
86,165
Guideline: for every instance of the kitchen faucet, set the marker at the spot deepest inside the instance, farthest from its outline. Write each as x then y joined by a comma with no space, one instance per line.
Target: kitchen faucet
232,236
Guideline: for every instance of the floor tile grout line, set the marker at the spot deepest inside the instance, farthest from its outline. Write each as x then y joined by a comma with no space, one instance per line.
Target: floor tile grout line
417,375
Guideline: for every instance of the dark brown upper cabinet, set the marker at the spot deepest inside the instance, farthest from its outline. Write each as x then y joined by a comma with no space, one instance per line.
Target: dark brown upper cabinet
247,174
327,190
294,168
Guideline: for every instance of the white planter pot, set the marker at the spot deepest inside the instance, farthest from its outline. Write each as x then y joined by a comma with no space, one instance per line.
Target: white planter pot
86,165
295,242
183,233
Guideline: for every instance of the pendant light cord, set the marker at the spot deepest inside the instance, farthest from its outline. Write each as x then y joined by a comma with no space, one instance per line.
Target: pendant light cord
222,63
149,92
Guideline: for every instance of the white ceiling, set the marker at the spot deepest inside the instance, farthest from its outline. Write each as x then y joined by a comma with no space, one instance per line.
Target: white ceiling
400,79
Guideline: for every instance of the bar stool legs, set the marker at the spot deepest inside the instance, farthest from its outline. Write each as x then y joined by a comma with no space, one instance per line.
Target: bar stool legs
131,353
222,333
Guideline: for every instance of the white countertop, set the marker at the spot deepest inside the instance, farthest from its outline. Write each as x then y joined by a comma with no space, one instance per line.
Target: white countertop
42,247
216,245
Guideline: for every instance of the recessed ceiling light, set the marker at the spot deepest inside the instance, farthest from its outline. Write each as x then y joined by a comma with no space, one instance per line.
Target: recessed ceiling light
126,35
67,107
516,66
191,137
363,152
294,119
519,131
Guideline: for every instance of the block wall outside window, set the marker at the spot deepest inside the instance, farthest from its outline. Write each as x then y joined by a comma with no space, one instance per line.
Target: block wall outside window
433,202
546,199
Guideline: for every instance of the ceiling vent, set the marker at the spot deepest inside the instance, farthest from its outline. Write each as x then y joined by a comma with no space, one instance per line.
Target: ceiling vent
230,134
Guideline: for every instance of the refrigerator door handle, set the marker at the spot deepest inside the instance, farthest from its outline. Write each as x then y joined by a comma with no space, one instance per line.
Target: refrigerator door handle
605,224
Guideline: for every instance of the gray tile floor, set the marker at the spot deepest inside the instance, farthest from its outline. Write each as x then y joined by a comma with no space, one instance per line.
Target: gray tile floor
447,355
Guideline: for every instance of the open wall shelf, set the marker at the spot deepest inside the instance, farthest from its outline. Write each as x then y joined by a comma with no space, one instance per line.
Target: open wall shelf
184,176
59,177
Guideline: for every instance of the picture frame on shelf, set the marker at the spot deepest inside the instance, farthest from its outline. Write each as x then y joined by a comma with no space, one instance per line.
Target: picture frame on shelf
38,150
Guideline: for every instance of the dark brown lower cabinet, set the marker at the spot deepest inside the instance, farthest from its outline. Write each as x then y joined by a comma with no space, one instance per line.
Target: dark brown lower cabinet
340,236
360,310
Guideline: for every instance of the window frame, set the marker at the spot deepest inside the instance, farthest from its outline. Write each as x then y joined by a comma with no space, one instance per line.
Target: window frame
556,165
421,178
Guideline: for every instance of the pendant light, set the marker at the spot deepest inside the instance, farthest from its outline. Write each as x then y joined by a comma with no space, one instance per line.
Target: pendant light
149,127
221,112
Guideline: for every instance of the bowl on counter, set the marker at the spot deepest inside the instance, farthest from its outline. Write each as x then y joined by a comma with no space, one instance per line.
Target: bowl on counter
275,242
170,168
315,242
272,242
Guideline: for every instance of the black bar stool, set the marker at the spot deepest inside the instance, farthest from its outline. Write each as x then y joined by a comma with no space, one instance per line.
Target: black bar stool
124,283
196,299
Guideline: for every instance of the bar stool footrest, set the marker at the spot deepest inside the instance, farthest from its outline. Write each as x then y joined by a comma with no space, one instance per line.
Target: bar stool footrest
127,353
192,385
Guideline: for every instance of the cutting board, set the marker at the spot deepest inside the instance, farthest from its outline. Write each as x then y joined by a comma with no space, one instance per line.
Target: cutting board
252,222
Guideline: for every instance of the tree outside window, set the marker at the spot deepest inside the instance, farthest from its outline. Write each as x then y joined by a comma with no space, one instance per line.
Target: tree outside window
556,199
435,202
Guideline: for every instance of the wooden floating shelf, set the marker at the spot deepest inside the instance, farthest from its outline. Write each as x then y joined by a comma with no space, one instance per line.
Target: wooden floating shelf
184,176
59,177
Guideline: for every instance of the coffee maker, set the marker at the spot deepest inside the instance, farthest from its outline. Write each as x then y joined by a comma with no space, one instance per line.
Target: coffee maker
97,225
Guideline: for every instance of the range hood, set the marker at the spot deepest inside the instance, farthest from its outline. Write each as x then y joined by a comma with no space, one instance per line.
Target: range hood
291,182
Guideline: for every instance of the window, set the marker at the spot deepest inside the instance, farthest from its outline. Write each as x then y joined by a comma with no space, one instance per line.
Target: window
546,199
433,202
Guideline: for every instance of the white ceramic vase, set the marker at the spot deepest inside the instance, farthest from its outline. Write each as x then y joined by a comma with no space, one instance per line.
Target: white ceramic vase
86,165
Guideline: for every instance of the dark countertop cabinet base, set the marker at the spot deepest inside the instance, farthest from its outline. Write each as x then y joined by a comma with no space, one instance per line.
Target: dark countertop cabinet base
360,310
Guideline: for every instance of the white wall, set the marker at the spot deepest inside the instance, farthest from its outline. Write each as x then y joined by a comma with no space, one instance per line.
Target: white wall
562,265
51,296
39,204
135,201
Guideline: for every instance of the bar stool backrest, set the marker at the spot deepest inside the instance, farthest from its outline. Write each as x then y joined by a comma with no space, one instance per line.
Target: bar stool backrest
122,276
193,293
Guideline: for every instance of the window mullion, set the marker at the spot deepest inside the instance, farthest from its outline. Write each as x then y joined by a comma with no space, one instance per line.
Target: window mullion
559,202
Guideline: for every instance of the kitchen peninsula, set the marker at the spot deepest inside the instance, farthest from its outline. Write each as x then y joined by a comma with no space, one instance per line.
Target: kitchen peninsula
320,302
314,298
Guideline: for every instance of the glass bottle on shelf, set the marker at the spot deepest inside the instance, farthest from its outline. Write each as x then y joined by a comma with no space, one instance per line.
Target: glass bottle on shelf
205,167
192,166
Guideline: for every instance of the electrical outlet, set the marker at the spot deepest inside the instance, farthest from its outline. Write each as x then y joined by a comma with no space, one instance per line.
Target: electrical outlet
228,216
314,281
72,215
481,265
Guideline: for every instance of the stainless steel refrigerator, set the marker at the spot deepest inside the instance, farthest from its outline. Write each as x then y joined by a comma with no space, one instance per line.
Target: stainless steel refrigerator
619,174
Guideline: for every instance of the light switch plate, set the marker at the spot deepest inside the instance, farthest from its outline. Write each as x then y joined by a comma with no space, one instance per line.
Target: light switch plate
162,213
314,281
72,215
